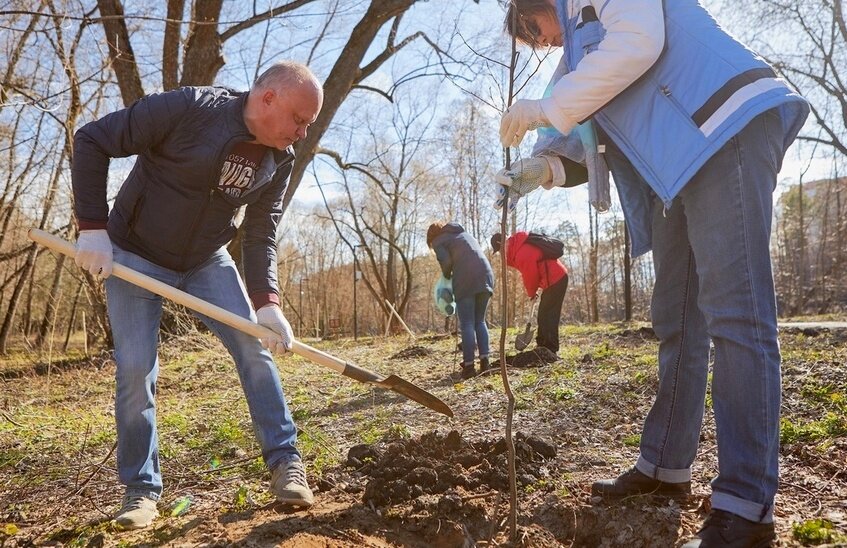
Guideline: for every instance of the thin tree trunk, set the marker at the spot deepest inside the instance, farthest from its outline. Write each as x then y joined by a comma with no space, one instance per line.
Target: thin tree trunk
627,267
53,300
120,50
74,308
170,45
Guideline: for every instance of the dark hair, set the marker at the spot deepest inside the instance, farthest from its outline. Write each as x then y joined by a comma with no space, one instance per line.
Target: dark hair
526,8
432,232
496,242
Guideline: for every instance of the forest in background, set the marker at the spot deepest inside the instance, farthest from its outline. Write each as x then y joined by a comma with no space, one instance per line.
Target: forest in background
407,136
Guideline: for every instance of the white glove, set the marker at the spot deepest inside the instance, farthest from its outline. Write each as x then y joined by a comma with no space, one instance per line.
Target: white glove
519,118
271,317
522,178
94,252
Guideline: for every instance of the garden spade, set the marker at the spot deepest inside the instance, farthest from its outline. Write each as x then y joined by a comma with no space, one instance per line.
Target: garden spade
392,382
523,339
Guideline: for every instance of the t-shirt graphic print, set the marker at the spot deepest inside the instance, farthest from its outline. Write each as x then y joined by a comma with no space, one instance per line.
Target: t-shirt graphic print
238,174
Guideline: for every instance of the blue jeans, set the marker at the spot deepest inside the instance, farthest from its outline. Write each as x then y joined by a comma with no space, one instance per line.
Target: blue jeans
472,326
714,281
135,314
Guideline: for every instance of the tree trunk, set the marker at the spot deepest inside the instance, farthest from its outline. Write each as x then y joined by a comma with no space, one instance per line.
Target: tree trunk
203,56
74,308
15,298
53,300
344,75
627,269
120,50
170,45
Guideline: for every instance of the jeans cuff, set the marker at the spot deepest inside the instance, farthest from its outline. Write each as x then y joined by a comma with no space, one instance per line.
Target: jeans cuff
667,475
747,509
142,492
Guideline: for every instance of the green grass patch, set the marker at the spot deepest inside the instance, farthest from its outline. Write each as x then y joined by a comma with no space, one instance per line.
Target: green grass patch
560,392
632,440
228,430
830,426
817,531
602,352
650,361
827,395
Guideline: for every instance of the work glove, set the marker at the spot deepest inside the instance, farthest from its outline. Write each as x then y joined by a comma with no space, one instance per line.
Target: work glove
271,317
94,252
521,179
447,296
524,115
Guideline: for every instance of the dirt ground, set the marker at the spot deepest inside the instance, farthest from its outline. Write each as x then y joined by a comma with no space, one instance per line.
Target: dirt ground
387,472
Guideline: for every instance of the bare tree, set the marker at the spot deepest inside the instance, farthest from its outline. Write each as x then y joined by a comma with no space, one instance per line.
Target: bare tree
381,201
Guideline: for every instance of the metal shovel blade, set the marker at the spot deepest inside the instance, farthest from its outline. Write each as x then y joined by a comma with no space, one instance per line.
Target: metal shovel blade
404,387
523,339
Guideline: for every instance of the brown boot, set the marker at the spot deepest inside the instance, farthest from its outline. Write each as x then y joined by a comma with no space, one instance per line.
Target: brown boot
467,372
633,482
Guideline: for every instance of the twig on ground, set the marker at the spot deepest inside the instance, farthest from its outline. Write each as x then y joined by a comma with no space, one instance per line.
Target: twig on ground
807,490
8,418
79,489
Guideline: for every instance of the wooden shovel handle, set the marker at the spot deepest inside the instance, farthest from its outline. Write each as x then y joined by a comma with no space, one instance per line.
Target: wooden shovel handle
215,312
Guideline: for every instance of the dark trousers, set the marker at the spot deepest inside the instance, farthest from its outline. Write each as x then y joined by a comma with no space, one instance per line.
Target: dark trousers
549,313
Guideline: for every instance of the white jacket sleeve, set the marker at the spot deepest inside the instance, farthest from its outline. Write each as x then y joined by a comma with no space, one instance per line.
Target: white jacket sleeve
634,40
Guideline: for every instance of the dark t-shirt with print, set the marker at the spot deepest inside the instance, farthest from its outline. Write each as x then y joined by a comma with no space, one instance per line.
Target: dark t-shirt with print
238,174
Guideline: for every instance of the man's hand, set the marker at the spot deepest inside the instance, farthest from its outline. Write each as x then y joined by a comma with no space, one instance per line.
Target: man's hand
522,178
519,118
94,252
271,317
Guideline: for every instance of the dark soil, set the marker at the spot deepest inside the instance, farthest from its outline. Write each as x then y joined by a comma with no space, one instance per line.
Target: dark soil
411,352
537,357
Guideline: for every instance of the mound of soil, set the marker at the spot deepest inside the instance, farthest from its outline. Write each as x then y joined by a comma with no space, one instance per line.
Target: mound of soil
640,334
448,489
536,357
411,352
437,464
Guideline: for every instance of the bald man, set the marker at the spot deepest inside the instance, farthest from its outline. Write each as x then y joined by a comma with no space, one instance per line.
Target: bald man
202,154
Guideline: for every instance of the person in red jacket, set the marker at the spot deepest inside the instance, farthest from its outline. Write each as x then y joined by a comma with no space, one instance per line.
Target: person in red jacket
549,275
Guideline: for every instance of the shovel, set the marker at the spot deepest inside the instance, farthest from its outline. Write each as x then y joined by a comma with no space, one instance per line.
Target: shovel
392,382
523,339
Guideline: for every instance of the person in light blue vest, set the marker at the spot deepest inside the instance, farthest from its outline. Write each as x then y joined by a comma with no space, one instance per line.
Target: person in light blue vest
462,261
693,127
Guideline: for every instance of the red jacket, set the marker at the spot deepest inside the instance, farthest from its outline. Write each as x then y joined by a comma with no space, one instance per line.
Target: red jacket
535,271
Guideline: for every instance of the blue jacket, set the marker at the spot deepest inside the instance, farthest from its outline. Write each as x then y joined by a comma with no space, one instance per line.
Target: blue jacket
168,209
701,91
463,262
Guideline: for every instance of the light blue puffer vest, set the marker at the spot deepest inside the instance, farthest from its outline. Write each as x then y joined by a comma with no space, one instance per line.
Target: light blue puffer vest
703,90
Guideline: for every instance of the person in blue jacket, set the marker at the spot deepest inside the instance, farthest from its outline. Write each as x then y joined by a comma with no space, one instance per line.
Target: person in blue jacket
463,262
202,154
694,127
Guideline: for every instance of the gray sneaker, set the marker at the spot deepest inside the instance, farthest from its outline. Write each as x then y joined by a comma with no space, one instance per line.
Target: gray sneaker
288,483
137,512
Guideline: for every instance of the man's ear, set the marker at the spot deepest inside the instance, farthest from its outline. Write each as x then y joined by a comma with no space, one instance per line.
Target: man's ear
268,96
